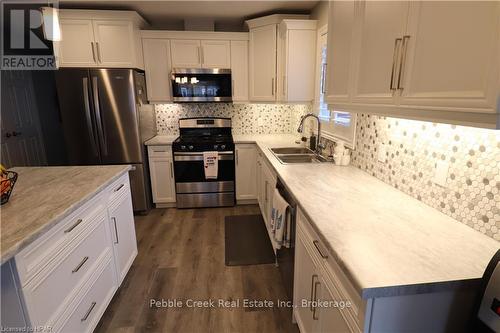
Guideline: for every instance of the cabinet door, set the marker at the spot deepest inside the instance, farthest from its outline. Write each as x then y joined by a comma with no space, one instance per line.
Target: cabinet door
162,179
239,70
340,51
306,280
263,64
115,43
381,25
260,184
157,66
281,65
185,53
452,55
329,318
76,49
215,54
269,186
246,171
121,217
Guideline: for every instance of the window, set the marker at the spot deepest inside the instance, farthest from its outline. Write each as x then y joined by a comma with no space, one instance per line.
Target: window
336,124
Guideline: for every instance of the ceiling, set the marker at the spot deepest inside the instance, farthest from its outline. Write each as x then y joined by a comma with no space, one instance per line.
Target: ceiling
228,15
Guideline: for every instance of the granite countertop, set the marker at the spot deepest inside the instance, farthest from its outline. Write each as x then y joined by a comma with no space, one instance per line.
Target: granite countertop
43,196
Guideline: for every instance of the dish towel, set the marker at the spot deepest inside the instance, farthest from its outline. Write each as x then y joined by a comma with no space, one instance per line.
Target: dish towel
280,222
210,164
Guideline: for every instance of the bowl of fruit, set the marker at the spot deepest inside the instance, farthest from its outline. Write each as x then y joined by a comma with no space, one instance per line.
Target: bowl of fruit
7,181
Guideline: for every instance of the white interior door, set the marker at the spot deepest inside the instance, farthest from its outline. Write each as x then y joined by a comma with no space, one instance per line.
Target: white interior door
340,51
185,53
239,70
263,63
381,25
76,48
452,55
114,43
215,54
158,67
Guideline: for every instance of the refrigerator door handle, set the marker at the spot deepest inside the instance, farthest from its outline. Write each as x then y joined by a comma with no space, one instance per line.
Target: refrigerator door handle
86,101
100,127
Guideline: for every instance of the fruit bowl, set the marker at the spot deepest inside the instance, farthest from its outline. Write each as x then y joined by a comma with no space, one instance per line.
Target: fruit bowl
7,185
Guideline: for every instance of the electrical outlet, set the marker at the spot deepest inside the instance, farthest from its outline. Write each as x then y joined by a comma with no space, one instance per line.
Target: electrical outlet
382,152
441,173
260,122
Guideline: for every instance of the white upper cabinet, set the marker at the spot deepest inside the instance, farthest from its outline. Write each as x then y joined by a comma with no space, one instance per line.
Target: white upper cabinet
340,51
186,53
99,38
429,60
158,68
215,54
453,57
239,70
296,60
381,26
77,45
262,63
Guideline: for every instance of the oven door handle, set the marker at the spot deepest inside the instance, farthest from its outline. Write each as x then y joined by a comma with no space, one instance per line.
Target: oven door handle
188,157
201,154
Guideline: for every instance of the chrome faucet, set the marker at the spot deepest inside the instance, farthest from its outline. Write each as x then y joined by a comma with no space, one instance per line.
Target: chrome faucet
319,145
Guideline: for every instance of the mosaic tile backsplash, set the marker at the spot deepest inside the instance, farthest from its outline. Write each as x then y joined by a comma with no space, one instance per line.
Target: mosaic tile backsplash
274,118
472,191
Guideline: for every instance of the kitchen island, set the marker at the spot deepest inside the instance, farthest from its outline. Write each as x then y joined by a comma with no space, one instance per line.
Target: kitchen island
67,242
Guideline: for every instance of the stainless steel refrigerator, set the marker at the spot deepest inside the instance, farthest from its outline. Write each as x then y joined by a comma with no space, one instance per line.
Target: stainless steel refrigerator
105,121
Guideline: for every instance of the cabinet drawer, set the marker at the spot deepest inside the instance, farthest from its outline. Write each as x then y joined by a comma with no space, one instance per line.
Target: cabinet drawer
39,254
119,187
46,294
85,316
160,151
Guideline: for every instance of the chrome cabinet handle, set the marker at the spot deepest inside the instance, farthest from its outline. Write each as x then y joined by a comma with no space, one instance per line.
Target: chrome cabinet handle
119,187
265,189
87,314
116,230
77,268
171,171
199,55
272,86
316,284
73,226
313,277
316,244
93,51
284,85
98,51
202,55
402,62
395,54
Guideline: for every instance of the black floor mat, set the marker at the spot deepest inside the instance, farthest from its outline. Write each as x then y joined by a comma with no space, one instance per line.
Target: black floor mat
247,241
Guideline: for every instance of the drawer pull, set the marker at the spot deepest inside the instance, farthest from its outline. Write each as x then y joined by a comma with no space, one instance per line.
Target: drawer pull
77,268
119,187
116,229
73,226
87,314
316,284
313,277
316,244
159,151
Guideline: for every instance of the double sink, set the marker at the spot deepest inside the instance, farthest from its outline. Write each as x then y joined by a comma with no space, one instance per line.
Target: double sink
297,155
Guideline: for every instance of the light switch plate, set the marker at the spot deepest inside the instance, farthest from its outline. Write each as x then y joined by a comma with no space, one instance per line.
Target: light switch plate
382,152
441,173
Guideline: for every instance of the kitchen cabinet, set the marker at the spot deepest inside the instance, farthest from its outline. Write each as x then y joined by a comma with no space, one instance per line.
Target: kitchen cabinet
161,171
266,179
121,218
239,70
246,172
282,58
185,53
157,66
201,54
296,60
434,61
93,38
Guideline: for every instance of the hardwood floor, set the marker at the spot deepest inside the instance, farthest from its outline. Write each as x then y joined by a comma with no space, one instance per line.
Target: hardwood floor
181,257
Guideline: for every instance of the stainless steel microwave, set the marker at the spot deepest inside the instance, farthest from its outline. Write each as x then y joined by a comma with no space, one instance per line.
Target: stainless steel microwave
201,85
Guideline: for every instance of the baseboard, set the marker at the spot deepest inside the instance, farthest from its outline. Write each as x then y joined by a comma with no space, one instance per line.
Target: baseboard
165,205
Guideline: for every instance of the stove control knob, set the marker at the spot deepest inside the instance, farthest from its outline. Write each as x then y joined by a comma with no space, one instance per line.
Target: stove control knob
191,147
183,147
216,147
223,147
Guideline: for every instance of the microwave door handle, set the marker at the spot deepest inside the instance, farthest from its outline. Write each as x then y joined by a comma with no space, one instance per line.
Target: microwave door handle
100,127
88,118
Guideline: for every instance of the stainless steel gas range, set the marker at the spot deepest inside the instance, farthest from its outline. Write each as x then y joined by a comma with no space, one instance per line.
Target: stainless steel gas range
193,189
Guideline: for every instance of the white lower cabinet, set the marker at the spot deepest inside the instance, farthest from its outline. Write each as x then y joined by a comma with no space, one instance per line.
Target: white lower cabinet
68,276
246,172
161,169
266,183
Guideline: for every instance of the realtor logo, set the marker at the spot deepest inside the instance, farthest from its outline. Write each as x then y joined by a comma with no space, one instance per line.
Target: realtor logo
23,45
